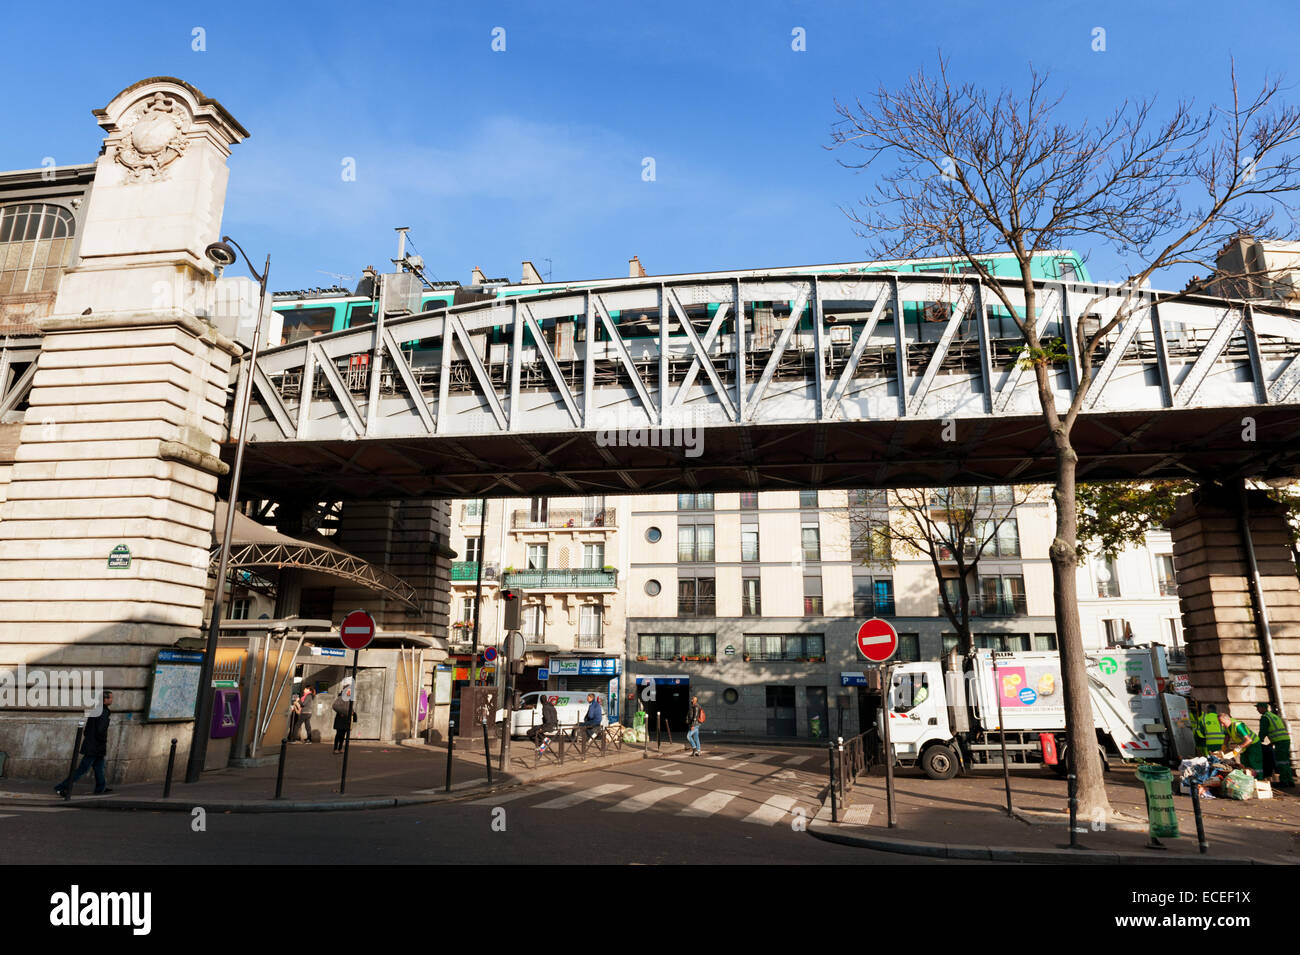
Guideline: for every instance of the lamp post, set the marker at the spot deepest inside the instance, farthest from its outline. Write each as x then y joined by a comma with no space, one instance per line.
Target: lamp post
222,254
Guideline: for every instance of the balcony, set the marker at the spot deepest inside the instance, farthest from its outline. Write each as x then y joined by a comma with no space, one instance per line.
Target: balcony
589,641
1108,588
558,579
464,570
984,605
873,606
695,606
573,519
1168,587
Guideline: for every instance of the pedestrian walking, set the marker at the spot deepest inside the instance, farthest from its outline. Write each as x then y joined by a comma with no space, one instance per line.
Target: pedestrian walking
305,703
341,715
94,749
693,721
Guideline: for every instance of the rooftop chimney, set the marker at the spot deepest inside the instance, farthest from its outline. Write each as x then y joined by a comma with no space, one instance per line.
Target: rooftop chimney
531,275
635,270
477,277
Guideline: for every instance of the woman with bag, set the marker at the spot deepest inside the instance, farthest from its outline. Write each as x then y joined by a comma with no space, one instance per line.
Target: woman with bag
341,715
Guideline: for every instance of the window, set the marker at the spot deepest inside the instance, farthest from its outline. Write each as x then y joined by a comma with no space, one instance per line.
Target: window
534,623
872,497
751,604
749,542
589,627
998,494
537,511
468,607
790,647
999,540
593,556
1107,578
1067,270
749,500
1114,630
950,643
666,646
731,695
472,509
239,608
812,596
1002,596
812,548
909,647
472,550
1166,583
303,323
807,498
652,587
1044,641
537,556
35,246
873,596
869,541
653,535
695,543
1003,642
694,502
593,511
910,690
696,596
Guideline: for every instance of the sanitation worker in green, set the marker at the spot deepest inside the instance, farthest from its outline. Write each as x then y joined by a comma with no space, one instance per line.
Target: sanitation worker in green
1241,739
1277,754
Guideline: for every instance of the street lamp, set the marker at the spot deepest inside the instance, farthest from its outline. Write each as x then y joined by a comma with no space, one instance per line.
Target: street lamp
222,254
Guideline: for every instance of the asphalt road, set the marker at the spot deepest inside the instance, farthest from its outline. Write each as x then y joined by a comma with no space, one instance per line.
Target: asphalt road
732,807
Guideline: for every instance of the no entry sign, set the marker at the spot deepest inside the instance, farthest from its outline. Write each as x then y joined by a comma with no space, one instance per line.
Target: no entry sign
877,640
358,630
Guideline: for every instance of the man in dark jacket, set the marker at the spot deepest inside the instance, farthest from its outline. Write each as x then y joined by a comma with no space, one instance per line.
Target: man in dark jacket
595,715
94,749
550,721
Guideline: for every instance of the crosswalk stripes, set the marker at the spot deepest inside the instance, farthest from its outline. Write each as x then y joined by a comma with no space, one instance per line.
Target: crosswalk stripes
699,782
798,760
646,799
574,799
520,794
772,811
710,803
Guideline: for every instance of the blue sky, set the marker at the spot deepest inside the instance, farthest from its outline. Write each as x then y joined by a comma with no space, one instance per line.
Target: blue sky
537,152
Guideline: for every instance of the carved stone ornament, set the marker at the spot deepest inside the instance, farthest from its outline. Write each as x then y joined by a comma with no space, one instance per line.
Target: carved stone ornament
155,140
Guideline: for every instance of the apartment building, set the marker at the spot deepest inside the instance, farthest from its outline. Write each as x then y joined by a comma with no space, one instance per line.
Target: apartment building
563,554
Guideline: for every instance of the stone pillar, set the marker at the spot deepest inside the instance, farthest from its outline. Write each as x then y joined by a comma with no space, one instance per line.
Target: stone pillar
1225,658
107,521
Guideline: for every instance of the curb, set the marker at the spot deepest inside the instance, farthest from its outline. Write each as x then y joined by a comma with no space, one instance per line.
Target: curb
941,850
476,788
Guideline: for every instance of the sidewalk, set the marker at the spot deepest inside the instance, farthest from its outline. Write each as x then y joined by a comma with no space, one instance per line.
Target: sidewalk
966,818
380,775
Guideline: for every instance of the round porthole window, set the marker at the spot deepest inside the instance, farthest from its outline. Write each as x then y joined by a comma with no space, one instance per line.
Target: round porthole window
730,694
652,588
653,535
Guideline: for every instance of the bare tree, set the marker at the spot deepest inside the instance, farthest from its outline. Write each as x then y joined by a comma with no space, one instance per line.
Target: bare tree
970,172
956,527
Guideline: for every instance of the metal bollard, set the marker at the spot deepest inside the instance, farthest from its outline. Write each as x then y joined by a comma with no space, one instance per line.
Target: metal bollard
659,732
451,749
171,764
279,775
645,739
487,751
830,767
1200,822
72,767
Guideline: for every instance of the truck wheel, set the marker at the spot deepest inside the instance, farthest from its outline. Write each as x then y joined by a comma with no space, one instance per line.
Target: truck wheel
939,762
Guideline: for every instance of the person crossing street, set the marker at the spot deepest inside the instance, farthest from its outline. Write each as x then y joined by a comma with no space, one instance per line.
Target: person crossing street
693,720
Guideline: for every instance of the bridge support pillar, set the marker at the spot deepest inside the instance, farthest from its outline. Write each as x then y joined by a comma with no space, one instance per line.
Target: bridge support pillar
1226,650
107,522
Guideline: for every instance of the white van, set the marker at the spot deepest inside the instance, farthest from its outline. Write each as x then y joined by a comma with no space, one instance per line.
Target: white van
570,708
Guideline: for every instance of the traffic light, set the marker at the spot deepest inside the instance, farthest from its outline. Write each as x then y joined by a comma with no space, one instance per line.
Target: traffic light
514,608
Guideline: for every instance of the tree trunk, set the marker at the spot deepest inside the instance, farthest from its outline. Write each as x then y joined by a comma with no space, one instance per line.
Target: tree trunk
1093,802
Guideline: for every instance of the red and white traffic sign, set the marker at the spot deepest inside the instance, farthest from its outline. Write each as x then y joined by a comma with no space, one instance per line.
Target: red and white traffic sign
358,630
877,640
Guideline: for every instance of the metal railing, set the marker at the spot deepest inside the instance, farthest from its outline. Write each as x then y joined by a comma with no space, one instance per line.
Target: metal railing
873,606
849,759
464,570
696,606
983,605
557,579
557,519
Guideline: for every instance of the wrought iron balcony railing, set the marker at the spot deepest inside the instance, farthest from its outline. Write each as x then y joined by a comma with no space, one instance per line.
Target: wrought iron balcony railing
983,605
560,519
558,579
873,606
464,570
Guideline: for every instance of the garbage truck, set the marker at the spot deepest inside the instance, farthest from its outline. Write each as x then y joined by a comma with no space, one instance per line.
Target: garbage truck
943,716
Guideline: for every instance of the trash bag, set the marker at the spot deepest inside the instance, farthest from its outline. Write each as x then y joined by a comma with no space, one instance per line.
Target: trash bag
1239,785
